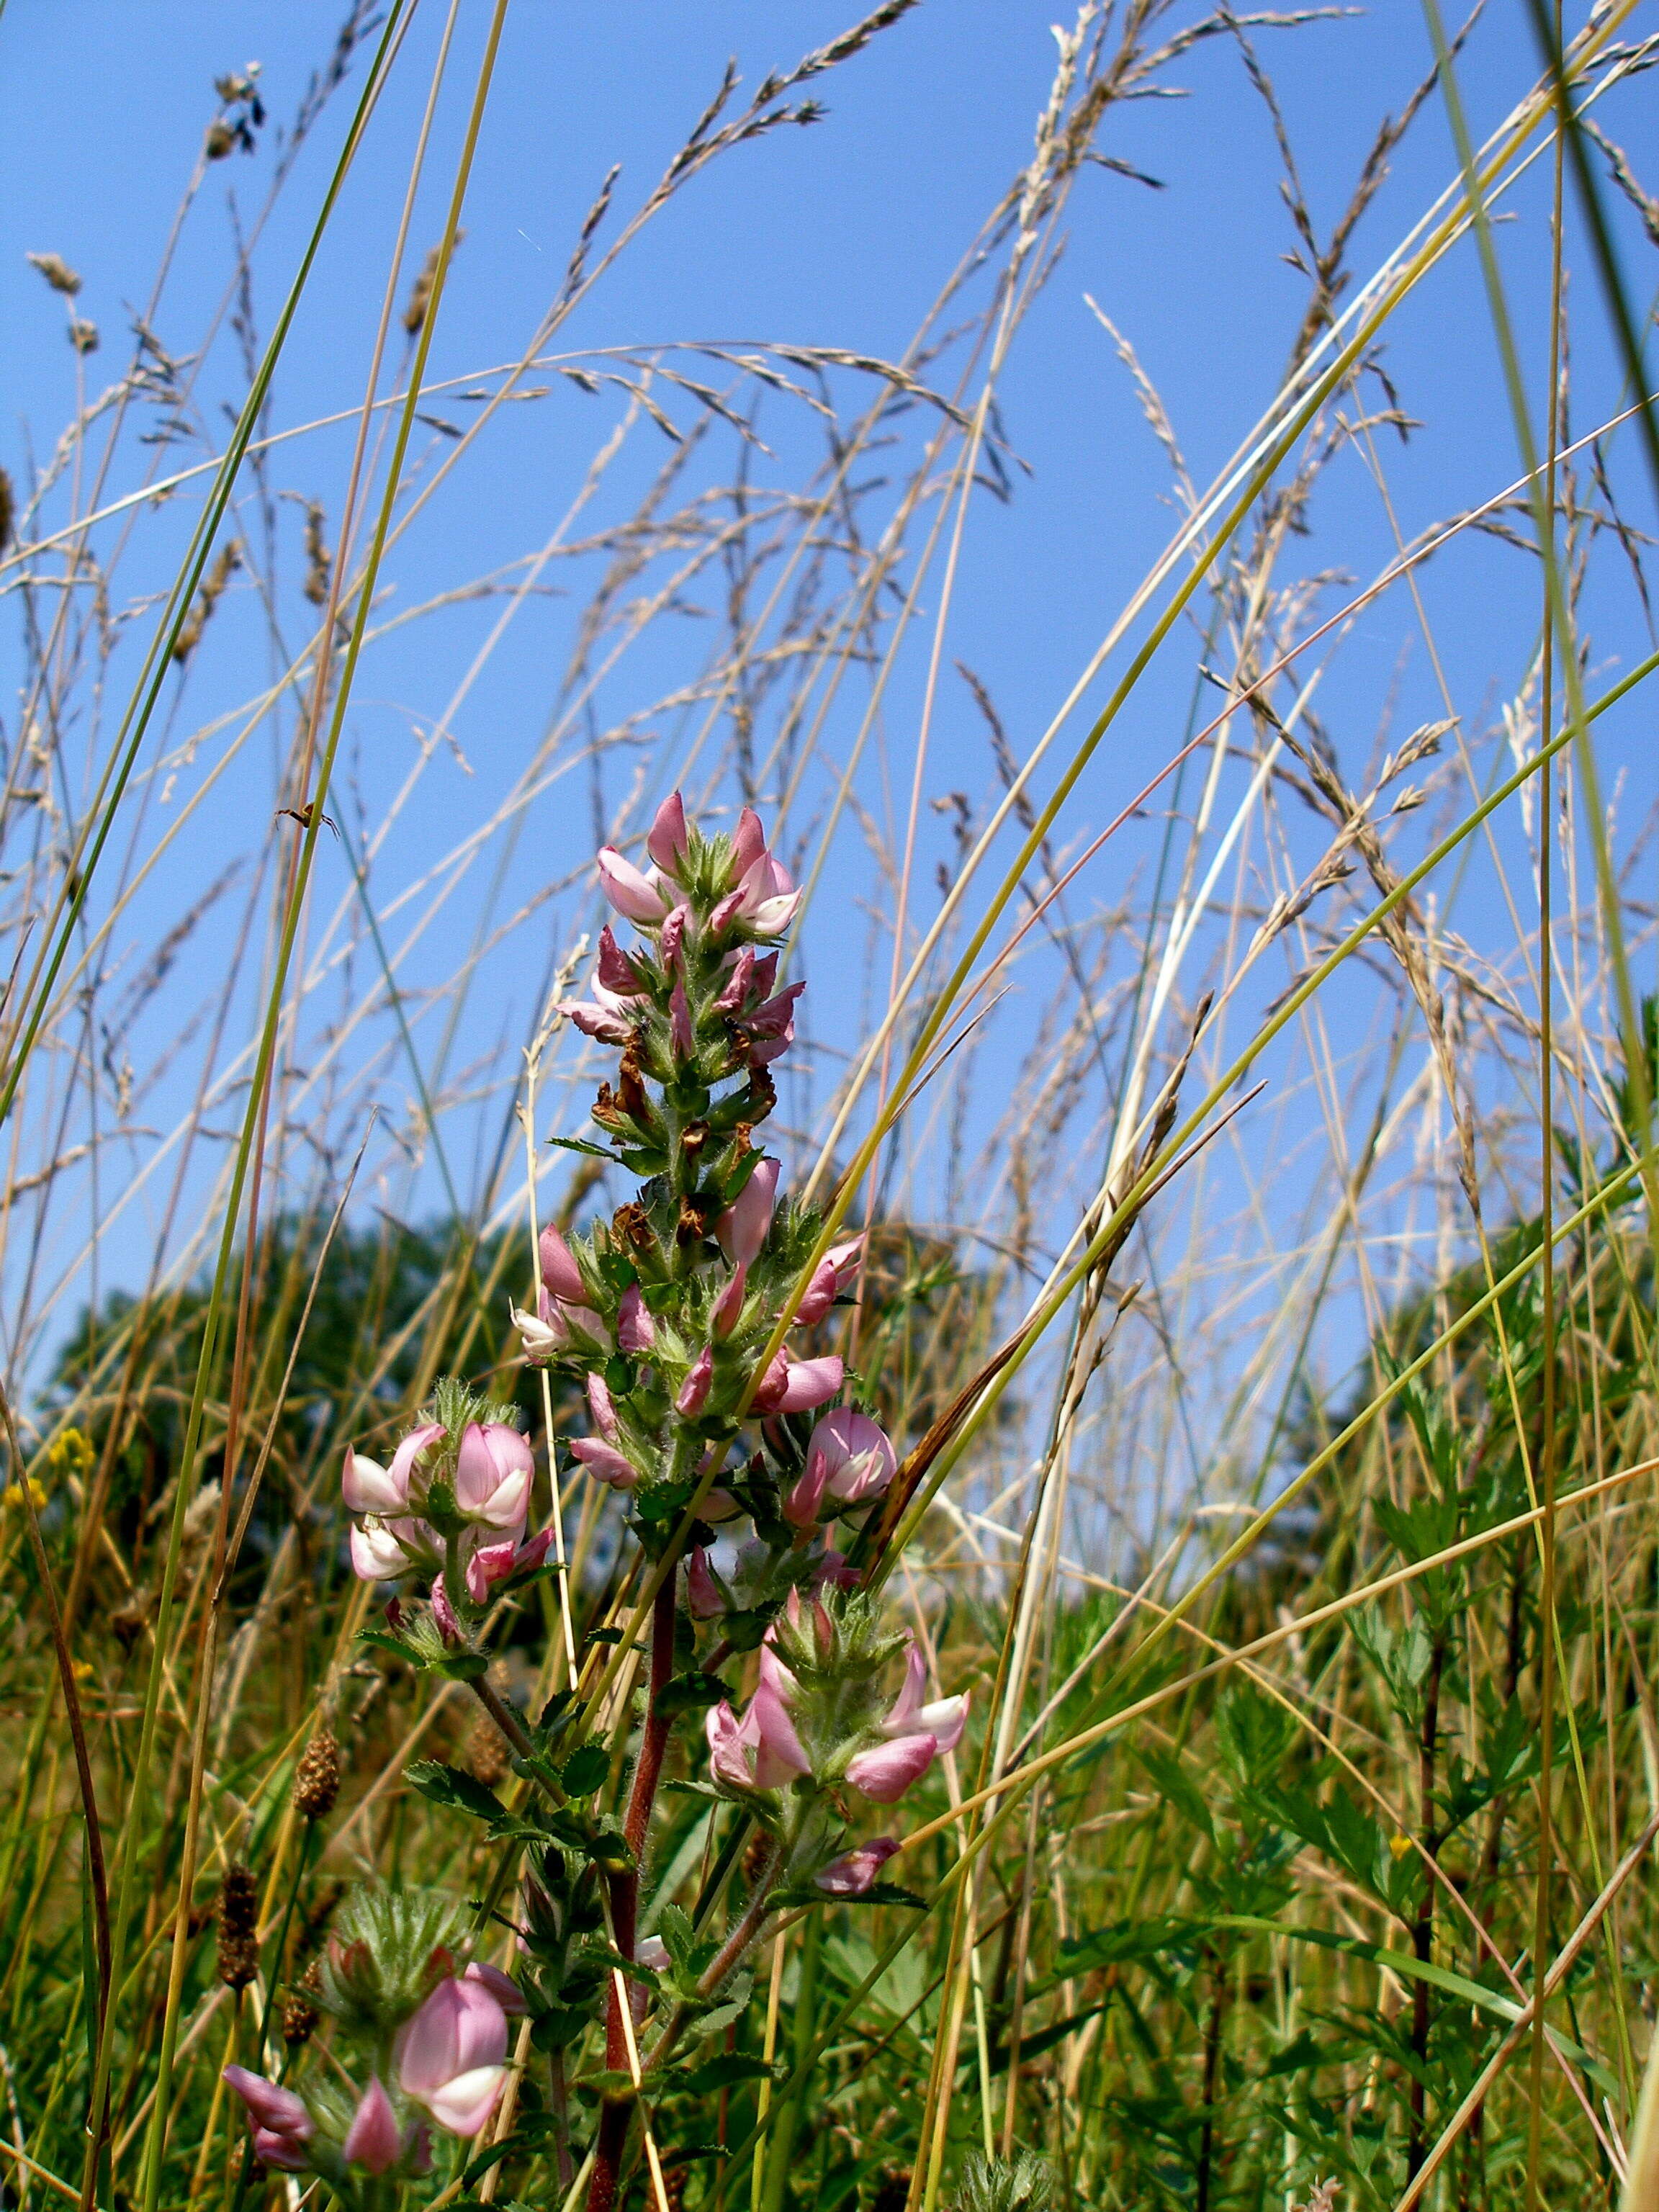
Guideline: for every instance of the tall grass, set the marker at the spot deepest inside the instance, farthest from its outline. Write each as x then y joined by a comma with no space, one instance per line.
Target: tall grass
1257,1161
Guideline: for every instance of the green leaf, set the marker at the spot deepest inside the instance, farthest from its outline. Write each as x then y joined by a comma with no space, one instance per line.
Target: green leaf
605,1635
730,2066
585,1770
691,1693
581,1145
449,1785
382,1640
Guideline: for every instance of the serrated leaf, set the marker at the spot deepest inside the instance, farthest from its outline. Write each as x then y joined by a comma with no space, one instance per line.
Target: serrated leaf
585,1770
691,1693
581,1145
450,1785
382,1640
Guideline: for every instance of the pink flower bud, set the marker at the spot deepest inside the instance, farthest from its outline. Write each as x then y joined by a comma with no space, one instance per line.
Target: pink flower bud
885,1773
667,842
703,1594
832,1278
795,1386
562,1277
673,939
694,1391
444,1613
742,1228
728,1307
450,2056
800,1504
852,1874
606,1461
616,972
281,2125
373,2141
748,843
680,1031
731,999
492,1474
599,1405
631,893
636,1331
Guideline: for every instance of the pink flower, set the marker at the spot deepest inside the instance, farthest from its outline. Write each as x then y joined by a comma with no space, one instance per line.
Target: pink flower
498,1563
383,1550
492,1474
742,1228
832,1278
681,1034
833,1569
795,1386
599,1405
850,1457
606,1461
728,1307
450,2056
771,1027
694,1391
765,899
562,1277
852,1874
762,1751
368,1487
943,1720
916,1735
636,1332
281,2125
594,1018
502,1987
702,1592
372,2140
554,1328
631,893
651,1951
615,971
667,841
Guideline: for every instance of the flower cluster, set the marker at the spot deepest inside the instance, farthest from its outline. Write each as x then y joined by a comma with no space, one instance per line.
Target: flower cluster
452,1504
754,1480
432,2039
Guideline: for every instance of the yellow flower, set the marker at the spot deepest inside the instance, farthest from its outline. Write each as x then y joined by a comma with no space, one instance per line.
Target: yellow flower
1398,1843
12,1497
71,1453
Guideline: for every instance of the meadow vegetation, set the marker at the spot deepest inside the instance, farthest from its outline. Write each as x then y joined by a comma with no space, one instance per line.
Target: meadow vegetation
1138,1384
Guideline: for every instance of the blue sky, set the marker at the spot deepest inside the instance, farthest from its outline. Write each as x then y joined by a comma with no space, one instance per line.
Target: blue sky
839,236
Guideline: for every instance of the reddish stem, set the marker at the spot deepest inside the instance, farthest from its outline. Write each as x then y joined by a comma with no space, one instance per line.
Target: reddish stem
625,1889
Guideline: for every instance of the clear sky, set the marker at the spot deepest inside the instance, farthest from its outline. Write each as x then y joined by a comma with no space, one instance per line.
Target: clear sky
837,235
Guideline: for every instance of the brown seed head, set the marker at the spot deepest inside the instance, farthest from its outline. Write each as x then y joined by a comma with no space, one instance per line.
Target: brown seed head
299,2014
317,1778
239,1917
